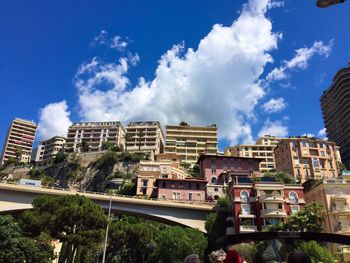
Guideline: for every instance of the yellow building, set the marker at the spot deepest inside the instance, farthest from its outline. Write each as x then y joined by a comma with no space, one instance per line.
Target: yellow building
188,142
164,166
334,196
262,149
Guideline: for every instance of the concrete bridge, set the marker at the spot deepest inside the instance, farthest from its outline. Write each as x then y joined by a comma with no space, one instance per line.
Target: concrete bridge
19,197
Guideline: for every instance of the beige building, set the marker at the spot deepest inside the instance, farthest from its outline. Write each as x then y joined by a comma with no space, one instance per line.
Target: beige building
164,166
145,136
189,142
262,149
95,133
38,153
51,147
307,158
19,141
334,196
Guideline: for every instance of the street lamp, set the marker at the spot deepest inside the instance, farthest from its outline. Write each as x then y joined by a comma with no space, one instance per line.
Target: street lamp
328,3
106,236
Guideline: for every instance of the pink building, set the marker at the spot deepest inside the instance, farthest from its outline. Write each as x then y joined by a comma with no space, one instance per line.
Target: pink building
219,171
257,205
181,189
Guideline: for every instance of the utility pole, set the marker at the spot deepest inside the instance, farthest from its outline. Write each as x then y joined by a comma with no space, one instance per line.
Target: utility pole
106,237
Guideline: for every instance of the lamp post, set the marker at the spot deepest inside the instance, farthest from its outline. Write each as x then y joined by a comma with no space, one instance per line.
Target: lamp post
328,3
106,237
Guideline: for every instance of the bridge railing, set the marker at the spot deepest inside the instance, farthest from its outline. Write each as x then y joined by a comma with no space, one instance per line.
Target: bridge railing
114,194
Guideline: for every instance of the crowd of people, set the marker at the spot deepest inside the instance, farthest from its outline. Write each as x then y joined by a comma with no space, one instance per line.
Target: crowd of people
232,256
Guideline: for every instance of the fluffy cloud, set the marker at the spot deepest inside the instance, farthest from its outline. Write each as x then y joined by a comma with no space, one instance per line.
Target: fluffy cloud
322,133
274,105
115,42
274,128
300,60
54,120
216,83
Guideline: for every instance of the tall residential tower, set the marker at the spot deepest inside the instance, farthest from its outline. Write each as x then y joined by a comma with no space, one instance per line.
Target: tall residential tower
19,141
335,105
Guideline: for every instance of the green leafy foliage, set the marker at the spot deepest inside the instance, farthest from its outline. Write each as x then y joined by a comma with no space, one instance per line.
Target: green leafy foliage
39,174
223,202
109,146
317,252
60,157
128,189
282,177
75,220
15,247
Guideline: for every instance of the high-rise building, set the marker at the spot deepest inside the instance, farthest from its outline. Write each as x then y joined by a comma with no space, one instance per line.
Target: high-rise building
262,149
19,141
307,158
145,136
334,196
37,153
190,141
52,147
94,134
335,105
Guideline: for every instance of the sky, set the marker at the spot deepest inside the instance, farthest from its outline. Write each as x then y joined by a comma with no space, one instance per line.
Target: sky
252,67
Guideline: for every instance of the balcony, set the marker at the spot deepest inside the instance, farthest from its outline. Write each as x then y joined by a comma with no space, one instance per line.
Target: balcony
345,250
339,197
246,215
271,198
340,209
247,229
273,213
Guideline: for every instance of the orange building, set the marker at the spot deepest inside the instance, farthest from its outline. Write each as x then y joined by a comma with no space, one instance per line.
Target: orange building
307,158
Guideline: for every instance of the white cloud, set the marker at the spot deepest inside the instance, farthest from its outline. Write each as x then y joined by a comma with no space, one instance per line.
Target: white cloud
300,60
322,133
216,83
274,105
274,128
54,120
309,135
115,42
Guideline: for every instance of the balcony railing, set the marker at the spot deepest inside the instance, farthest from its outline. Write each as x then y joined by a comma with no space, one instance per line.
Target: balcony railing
342,229
273,213
247,229
271,198
340,208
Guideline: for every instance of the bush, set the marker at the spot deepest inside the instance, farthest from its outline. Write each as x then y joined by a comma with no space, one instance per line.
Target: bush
316,252
223,202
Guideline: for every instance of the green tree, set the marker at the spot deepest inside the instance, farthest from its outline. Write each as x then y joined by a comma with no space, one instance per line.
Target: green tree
183,123
309,219
175,243
15,247
75,220
342,166
223,202
317,252
127,189
60,157
195,172
109,146
18,154
84,146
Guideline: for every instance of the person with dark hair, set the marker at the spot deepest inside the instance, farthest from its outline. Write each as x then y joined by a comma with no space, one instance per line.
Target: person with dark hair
299,257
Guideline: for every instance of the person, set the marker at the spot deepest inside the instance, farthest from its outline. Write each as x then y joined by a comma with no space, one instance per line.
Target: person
217,256
193,258
299,257
232,256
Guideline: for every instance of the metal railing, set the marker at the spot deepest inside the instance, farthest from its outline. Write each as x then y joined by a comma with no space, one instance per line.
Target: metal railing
180,201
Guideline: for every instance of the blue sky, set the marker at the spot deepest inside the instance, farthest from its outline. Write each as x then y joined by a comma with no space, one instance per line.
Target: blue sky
59,63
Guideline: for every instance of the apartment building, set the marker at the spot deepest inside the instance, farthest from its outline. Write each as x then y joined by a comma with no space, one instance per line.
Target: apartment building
189,142
219,171
262,149
334,196
307,158
335,106
191,190
19,141
38,153
94,134
145,136
51,148
258,205
164,166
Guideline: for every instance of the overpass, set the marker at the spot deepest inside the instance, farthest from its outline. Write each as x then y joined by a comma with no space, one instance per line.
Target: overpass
15,197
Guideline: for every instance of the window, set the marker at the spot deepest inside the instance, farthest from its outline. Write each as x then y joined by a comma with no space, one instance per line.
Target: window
213,180
144,183
163,184
294,209
198,186
293,197
144,191
190,196
199,197
244,196
212,160
216,189
322,153
304,144
321,145
176,196
245,209
213,170
315,162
